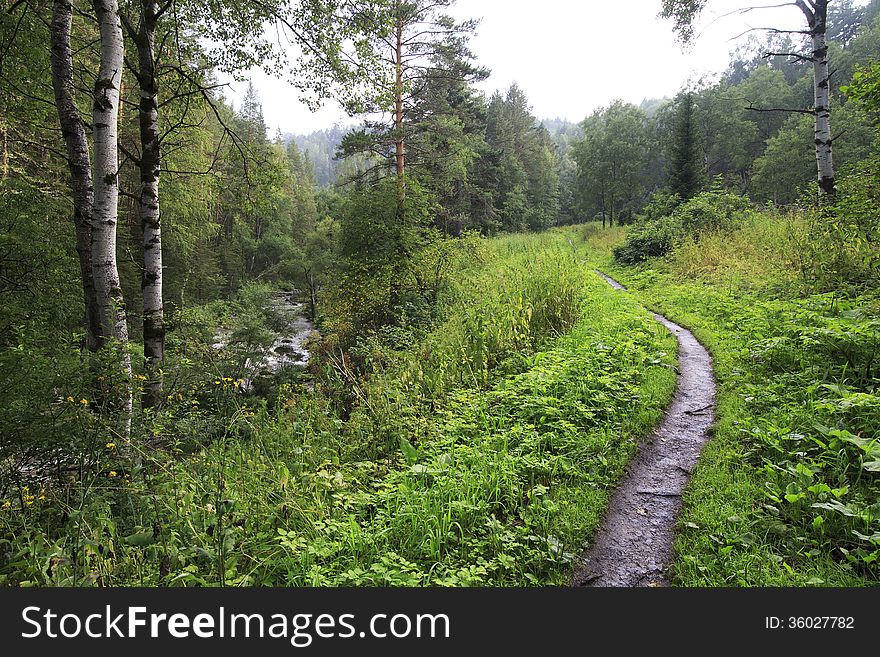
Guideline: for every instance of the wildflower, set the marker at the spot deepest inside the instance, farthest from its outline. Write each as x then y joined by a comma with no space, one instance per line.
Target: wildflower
110,445
41,497
111,474
6,505
69,398
84,402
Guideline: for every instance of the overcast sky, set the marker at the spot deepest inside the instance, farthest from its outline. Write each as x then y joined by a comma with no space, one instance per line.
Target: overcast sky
570,56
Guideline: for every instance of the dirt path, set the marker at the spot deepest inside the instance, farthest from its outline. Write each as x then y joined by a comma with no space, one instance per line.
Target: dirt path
633,546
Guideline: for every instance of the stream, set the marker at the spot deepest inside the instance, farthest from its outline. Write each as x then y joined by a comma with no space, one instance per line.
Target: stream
288,349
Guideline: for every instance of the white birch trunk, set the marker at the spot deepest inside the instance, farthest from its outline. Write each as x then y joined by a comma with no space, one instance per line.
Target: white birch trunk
78,159
821,80
105,126
148,207
816,13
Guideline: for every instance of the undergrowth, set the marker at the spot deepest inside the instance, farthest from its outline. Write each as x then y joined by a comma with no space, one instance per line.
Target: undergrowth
479,451
787,491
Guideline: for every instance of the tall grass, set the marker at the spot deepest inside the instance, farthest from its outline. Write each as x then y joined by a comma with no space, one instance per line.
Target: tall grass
481,452
787,491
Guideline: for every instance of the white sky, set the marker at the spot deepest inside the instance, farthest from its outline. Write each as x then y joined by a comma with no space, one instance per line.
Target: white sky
570,56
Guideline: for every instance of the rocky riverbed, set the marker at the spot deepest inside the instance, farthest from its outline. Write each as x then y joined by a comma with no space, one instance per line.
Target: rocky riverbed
288,349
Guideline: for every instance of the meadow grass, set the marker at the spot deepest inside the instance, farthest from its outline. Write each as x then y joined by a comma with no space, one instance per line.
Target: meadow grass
481,451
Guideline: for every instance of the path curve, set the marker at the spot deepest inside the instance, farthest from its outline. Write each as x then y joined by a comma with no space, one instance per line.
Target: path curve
634,544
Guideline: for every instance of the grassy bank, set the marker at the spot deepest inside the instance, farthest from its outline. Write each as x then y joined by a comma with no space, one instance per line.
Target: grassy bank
479,450
786,493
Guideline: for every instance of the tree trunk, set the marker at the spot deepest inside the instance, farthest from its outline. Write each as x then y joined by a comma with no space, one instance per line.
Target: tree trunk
77,159
399,151
817,21
313,292
4,152
105,125
399,157
148,206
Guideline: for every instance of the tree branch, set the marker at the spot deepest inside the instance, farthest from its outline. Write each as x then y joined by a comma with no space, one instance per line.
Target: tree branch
781,109
794,55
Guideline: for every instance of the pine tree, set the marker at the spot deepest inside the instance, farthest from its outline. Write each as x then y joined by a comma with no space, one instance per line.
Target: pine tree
685,166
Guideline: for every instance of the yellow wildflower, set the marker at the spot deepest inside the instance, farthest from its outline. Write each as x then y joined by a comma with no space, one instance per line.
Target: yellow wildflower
84,402
69,398
111,474
110,445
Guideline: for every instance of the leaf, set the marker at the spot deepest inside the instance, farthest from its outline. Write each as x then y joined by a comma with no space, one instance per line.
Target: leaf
139,539
874,538
871,466
410,453
834,505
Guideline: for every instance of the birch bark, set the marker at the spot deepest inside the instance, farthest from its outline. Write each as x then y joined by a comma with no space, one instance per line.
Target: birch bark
148,205
105,126
73,131
817,20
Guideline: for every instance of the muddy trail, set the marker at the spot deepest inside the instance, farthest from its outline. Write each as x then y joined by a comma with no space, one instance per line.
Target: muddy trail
634,544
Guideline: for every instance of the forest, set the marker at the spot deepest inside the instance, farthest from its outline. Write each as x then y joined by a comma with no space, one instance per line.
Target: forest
386,353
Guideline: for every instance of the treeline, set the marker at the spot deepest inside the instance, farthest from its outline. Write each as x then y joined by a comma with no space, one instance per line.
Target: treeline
752,129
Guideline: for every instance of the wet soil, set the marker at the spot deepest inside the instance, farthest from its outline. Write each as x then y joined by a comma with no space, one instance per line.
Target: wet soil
634,544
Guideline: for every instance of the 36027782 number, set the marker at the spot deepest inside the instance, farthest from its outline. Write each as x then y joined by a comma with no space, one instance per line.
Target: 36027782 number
820,622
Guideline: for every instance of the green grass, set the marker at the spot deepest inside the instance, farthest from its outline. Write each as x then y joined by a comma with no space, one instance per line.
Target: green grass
785,493
479,452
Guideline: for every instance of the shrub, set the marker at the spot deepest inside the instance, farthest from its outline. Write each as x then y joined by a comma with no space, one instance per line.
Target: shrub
656,233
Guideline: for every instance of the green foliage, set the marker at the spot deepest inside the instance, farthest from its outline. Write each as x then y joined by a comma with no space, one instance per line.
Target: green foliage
518,171
864,88
712,211
380,244
683,13
786,491
480,454
686,168
842,251
611,161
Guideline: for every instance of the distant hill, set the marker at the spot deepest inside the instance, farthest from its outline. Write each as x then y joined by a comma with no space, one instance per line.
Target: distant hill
320,147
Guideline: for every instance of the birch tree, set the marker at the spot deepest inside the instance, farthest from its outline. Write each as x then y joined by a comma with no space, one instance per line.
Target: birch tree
78,160
684,13
105,129
143,35
611,159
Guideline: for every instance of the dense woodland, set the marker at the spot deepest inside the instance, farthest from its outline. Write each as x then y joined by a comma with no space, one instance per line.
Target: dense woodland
473,391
